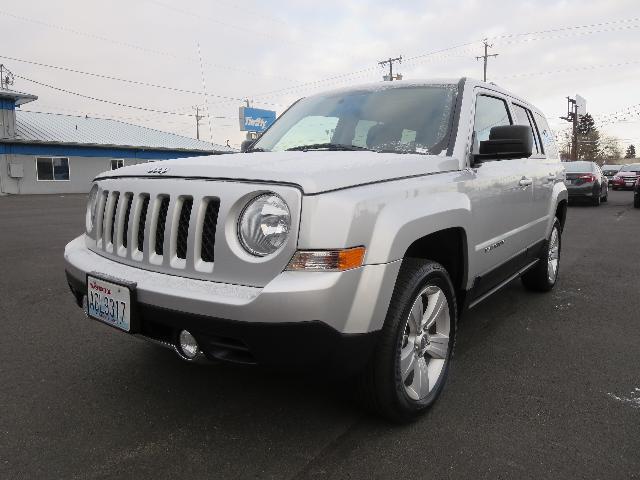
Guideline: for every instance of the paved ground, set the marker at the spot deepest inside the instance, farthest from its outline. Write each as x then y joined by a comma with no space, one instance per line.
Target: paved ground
543,386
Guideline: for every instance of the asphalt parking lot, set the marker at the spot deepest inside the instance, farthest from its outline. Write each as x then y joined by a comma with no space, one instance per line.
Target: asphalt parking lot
542,386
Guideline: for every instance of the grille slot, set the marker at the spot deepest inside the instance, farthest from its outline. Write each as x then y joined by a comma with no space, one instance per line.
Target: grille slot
112,228
142,222
127,214
209,230
105,202
183,227
162,221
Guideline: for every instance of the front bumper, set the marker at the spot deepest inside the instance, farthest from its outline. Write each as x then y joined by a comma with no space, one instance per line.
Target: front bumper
298,319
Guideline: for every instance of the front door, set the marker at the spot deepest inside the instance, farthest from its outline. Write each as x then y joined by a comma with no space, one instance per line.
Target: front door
501,197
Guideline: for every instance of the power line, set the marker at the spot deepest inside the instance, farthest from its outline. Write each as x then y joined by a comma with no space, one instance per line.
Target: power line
126,80
573,69
133,46
110,102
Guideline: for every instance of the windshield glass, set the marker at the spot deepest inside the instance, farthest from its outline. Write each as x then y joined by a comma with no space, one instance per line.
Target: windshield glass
578,167
403,119
634,167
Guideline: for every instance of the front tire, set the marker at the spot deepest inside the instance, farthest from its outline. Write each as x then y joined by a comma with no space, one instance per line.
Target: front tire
543,276
410,365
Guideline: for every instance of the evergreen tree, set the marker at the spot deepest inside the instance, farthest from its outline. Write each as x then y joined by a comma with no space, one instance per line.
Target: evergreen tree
631,152
588,139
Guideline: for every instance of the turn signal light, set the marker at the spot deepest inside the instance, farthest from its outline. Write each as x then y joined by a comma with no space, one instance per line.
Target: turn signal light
327,260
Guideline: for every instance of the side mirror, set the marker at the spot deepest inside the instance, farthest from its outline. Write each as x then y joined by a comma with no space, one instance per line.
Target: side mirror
507,142
246,145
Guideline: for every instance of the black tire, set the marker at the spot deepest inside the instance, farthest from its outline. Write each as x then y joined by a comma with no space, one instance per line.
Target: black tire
537,278
596,200
636,201
615,188
381,387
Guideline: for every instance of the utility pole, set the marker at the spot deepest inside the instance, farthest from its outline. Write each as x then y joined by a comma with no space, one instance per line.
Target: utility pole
573,114
486,57
390,61
198,118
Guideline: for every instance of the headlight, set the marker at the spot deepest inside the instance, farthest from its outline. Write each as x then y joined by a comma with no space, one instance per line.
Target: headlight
90,217
264,225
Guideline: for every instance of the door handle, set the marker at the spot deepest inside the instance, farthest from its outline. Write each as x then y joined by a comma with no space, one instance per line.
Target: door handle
525,182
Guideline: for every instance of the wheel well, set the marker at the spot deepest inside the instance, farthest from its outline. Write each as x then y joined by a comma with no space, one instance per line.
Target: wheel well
447,247
561,212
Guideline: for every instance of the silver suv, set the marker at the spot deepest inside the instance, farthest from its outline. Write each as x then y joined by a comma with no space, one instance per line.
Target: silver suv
350,237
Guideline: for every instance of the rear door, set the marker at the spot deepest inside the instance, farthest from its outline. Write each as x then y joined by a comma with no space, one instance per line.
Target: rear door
542,174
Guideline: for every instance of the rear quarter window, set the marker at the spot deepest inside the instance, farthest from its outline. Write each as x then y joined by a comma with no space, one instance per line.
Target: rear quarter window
547,137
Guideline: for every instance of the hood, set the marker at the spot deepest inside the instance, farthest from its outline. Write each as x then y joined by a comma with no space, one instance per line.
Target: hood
313,171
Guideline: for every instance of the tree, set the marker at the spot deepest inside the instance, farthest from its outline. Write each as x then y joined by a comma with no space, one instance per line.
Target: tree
631,152
611,149
588,138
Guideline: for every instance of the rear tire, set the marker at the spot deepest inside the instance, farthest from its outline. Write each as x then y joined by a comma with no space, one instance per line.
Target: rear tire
596,200
636,201
544,275
410,364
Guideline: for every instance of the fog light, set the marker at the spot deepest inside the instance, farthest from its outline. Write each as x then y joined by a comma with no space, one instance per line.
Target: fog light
188,345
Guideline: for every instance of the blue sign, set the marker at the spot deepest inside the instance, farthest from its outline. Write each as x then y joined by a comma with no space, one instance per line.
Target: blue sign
255,119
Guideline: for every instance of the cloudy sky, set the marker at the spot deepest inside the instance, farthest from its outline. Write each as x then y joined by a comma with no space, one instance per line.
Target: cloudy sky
275,52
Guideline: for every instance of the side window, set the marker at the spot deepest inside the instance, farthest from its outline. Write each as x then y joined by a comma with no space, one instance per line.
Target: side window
52,169
115,164
490,112
523,117
548,142
362,130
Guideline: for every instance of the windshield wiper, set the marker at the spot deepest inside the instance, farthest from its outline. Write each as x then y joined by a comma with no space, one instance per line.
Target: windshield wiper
251,150
326,146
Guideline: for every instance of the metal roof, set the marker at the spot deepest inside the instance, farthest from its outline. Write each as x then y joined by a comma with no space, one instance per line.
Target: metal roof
20,98
52,128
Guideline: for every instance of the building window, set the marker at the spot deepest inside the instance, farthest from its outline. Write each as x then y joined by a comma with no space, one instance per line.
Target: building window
115,164
52,168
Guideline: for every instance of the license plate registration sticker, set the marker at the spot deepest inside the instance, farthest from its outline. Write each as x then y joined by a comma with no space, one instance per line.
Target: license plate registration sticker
109,302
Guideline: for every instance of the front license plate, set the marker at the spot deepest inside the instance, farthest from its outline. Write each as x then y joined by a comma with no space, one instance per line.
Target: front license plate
109,302
629,184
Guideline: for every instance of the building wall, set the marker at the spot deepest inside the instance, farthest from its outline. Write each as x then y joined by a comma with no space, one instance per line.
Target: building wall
82,170
85,163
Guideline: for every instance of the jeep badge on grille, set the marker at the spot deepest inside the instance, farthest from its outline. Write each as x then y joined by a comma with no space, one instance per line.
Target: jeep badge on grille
158,170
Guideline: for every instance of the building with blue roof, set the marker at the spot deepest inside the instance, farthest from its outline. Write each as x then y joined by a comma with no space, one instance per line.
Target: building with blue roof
54,153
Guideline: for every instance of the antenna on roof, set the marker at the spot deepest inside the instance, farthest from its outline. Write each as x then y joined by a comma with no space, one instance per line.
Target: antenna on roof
6,77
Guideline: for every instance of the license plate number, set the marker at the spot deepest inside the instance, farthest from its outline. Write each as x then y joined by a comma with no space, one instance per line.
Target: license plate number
109,302
629,184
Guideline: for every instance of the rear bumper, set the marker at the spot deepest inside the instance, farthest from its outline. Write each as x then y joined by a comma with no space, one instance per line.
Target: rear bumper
588,190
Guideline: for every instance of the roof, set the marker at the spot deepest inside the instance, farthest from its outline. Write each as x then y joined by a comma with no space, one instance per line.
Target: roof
19,98
51,128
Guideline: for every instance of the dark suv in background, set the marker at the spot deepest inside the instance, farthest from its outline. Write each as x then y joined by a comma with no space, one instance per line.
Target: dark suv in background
626,177
585,180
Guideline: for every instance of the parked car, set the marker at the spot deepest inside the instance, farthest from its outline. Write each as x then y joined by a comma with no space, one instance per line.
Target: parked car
584,180
636,194
625,179
349,237
610,171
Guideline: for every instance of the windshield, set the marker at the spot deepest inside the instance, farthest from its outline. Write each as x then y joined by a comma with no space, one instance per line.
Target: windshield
403,120
634,167
578,167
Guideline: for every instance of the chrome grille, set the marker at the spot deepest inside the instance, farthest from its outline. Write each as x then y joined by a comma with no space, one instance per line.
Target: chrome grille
133,224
